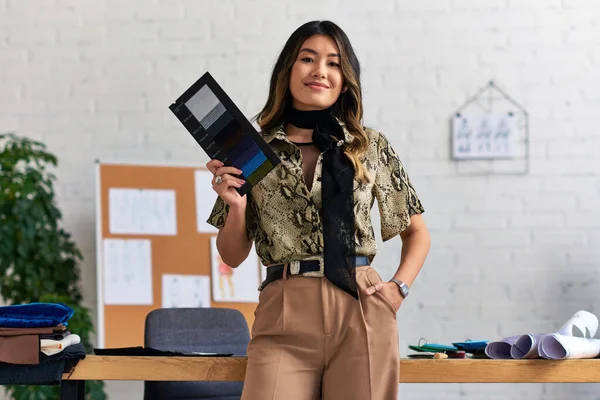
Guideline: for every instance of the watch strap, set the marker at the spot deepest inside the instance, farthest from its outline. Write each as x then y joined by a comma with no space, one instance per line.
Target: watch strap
402,286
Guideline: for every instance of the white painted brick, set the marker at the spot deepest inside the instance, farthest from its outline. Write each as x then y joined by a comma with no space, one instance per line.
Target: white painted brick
195,10
110,103
548,56
537,5
353,6
549,202
595,56
42,89
398,78
564,18
563,238
452,239
511,186
478,259
500,56
34,35
448,57
580,4
126,69
567,76
431,168
584,220
32,107
399,23
128,139
478,221
182,30
46,125
150,12
540,260
499,203
588,203
131,32
478,4
594,237
9,124
423,154
554,128
582,37
512,239
584,256
142,121
484,21
20,8
570,185
14,54
537,220
535,36
423,6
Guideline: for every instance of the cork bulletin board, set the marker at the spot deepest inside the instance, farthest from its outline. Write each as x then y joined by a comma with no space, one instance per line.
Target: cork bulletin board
155,250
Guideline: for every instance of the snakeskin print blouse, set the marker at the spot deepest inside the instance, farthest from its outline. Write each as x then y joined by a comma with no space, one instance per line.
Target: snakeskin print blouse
283,215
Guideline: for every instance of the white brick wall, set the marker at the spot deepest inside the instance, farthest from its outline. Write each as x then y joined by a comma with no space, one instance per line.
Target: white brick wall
93,79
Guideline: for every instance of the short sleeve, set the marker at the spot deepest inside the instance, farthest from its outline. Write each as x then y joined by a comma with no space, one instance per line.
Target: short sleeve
396,197
218,216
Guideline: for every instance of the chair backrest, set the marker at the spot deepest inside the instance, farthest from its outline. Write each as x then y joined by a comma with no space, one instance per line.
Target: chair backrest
208,330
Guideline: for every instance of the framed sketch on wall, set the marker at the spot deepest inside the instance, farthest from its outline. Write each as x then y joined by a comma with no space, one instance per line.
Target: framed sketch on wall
490,134
480,136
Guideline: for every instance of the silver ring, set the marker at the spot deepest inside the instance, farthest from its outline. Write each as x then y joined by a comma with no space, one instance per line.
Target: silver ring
218,180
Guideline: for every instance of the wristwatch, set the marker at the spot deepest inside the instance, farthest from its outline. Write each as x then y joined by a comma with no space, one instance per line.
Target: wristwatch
402,286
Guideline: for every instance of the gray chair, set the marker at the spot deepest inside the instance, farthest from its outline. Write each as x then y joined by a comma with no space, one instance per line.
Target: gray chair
209,330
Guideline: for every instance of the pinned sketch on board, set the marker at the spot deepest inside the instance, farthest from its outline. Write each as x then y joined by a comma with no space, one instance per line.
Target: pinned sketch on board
237,285
179,291
205,200
142,212
127,272
484,136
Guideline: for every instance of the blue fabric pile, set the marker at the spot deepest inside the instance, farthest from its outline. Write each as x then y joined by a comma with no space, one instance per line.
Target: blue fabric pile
35,346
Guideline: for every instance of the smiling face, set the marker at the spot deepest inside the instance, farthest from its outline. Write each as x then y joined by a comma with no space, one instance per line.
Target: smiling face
316,78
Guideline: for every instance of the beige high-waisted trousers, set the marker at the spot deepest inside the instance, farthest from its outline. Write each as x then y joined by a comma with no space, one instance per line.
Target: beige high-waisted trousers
311,340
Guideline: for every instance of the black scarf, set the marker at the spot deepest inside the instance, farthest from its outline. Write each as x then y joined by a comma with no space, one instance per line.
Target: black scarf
337,212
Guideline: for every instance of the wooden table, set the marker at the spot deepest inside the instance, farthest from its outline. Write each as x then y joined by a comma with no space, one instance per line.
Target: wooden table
411,371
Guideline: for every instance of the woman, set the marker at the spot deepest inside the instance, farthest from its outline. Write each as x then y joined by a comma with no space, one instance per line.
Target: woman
325,324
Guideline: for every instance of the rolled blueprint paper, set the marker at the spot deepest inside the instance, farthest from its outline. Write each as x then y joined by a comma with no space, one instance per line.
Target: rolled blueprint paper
560,347
500,349
581,324
541,351
526,346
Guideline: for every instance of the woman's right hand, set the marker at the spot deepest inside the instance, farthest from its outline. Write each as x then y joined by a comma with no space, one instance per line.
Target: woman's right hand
227,188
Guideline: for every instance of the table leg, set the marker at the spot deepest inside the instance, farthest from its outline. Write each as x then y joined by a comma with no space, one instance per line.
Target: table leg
72,390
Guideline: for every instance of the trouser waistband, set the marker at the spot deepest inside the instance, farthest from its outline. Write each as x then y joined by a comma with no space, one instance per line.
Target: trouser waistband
299,267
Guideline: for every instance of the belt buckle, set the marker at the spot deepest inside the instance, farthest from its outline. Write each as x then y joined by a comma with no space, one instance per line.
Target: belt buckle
294,267
321,265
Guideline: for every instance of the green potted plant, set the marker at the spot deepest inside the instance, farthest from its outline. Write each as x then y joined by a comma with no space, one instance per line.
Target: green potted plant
39,261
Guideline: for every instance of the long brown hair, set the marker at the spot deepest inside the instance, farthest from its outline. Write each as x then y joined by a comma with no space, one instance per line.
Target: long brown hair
348,107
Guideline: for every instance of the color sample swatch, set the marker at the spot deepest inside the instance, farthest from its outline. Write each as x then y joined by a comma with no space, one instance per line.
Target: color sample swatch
220,128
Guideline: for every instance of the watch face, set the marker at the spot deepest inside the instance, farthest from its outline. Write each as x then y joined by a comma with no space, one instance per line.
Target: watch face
404,289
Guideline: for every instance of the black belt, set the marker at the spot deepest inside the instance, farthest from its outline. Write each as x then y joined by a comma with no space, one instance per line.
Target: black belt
275,272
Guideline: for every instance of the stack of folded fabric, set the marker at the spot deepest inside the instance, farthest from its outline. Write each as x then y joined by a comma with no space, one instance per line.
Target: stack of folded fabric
35,345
